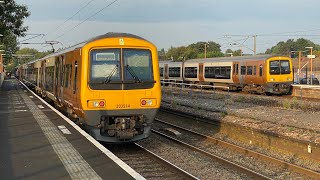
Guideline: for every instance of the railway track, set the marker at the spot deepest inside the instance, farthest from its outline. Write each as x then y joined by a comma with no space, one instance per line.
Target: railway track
279,169
147,163
238,168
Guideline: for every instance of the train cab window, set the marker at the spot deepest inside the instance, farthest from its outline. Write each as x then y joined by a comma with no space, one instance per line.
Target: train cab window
105,64
249,70
274,67
174,71
137,64
243,70
255,70
279,67
260,70
191,72
285,67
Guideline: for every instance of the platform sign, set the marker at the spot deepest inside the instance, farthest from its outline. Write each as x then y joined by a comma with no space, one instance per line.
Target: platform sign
311,56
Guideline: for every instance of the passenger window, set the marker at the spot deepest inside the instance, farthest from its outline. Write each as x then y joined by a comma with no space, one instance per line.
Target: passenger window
249,70
260,69
254,70
243,70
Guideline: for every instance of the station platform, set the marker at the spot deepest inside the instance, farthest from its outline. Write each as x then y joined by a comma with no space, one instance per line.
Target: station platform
39,143
306,91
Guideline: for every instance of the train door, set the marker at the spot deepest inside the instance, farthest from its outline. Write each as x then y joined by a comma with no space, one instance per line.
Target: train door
58,89
242,73
61,83
235,73
200,75
56,78
43,75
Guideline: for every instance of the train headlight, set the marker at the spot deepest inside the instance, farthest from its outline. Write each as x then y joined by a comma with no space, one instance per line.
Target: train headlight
96,103
148,102
272,79
289,79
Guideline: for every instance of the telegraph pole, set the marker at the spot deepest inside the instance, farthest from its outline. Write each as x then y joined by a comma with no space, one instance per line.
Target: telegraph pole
254,45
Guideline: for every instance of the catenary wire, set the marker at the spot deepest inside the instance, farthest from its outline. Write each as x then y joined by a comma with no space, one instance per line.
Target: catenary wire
87,19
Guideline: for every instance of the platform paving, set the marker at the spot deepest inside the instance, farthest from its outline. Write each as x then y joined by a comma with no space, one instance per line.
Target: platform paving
33,147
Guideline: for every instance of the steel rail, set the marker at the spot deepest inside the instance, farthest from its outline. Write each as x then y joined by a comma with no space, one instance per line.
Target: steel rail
289,166
178,169
226,162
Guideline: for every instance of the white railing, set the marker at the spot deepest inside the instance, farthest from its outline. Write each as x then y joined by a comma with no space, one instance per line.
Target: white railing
180,83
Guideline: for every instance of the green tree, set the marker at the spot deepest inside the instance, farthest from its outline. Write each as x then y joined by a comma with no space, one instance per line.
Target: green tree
195,50
229,51
162,54
237,52
12,16
24,55
284,48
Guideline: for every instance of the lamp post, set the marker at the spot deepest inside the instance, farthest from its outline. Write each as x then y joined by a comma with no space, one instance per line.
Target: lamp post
310,56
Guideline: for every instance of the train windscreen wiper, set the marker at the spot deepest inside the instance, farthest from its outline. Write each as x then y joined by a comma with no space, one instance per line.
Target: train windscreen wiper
133,74
108,78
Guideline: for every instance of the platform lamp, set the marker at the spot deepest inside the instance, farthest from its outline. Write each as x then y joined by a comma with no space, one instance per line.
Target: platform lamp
310,56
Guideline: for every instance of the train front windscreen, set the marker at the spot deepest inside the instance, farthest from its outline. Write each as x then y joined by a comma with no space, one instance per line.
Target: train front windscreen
121,69
278,67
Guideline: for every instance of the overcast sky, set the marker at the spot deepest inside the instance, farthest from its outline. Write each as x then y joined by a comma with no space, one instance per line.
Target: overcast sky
175,23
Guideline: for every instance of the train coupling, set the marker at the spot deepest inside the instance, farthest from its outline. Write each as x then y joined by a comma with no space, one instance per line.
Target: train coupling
121,127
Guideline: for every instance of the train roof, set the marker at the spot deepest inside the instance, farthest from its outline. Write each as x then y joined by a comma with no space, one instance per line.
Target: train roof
171,62
230,59
103,36
80,45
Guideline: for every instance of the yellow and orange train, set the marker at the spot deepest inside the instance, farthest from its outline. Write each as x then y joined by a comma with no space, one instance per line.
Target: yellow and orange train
110,84
263,74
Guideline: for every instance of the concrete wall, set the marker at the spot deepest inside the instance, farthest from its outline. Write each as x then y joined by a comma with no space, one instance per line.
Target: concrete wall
306,91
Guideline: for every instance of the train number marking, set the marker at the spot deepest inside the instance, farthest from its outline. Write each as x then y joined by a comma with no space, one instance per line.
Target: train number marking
120,106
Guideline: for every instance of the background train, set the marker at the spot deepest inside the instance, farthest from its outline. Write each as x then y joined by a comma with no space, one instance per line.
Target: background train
263,74
110,84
